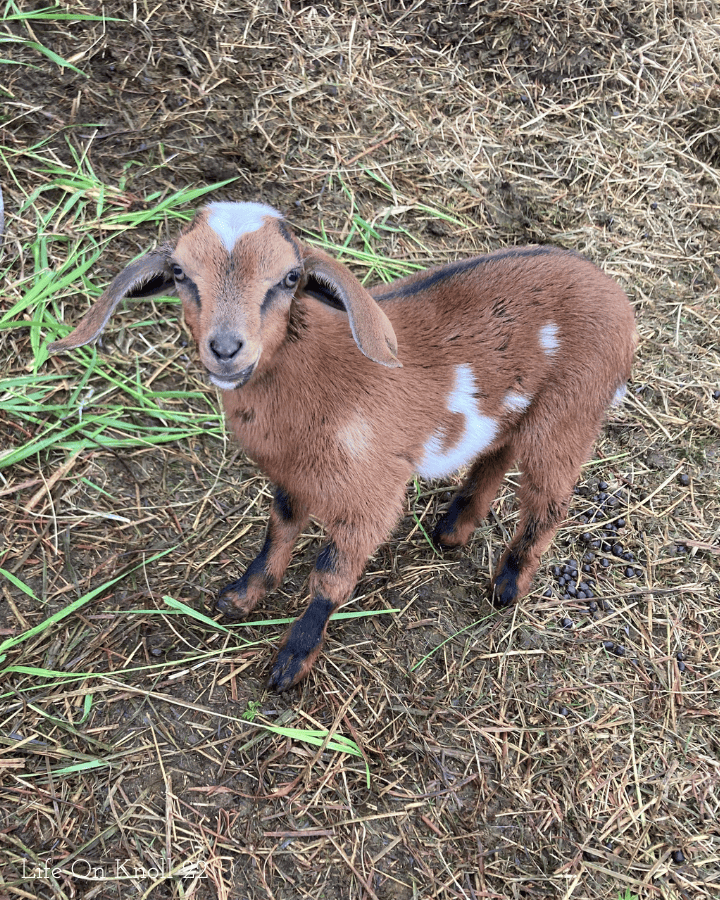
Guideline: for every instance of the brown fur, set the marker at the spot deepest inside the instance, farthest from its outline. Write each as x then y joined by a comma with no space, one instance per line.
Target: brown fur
341,435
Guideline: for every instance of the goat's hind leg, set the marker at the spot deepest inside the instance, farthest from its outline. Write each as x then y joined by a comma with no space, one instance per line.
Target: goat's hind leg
538,523
287,519
472,500
543,497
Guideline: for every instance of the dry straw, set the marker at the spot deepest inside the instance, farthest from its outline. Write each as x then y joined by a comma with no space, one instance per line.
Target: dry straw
508,756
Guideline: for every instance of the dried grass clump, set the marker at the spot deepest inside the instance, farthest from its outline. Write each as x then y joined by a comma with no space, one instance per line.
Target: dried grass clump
439,749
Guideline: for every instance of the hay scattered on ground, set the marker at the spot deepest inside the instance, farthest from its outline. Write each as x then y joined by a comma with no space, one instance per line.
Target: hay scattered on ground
508,756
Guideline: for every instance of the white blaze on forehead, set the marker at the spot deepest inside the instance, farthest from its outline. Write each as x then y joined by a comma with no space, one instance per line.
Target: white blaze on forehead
231,221
516,402
478,434
549,338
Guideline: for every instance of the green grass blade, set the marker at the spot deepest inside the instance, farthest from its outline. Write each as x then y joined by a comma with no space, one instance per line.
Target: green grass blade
54,57
13,579
63,613
179,606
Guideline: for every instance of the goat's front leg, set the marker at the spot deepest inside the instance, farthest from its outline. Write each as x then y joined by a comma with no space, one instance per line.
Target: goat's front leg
287,519
337,569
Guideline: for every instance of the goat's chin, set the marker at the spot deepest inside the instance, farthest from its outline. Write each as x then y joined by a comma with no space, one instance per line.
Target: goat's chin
233,381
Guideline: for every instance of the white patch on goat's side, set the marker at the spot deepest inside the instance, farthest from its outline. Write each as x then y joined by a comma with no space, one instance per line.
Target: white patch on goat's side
231,221
619,395
516,402
479,430
549,338
355,436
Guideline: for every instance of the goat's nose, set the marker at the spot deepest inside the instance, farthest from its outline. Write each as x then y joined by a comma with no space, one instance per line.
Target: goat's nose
225,347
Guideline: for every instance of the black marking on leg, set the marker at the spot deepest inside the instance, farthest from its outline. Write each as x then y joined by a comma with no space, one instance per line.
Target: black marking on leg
446,524
305,636
257,566
505,582
256,569
528,537
535,526
283,505
327,559
555,514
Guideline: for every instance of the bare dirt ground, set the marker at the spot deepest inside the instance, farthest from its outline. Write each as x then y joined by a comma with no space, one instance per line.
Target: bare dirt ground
508,756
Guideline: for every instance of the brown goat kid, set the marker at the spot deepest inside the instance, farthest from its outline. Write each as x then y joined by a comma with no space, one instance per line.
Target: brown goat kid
510,356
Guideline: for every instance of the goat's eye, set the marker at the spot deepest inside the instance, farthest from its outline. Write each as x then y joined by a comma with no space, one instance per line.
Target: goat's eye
291,279
178,273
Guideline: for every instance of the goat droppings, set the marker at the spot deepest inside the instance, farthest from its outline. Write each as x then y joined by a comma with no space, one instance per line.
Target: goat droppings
341,394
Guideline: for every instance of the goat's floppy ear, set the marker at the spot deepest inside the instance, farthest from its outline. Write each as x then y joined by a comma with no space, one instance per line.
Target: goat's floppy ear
370,327
149,276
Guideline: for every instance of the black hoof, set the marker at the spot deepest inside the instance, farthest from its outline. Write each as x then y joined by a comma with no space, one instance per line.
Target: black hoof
224,605
504,589
296,657
445,526
437,541
289,668
440,533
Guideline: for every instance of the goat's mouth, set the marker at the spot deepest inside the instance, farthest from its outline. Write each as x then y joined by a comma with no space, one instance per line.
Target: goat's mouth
233,381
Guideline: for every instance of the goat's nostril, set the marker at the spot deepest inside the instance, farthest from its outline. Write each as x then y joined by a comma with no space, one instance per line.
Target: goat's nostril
226,347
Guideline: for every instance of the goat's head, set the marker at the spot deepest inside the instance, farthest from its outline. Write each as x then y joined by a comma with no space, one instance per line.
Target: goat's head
237,269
